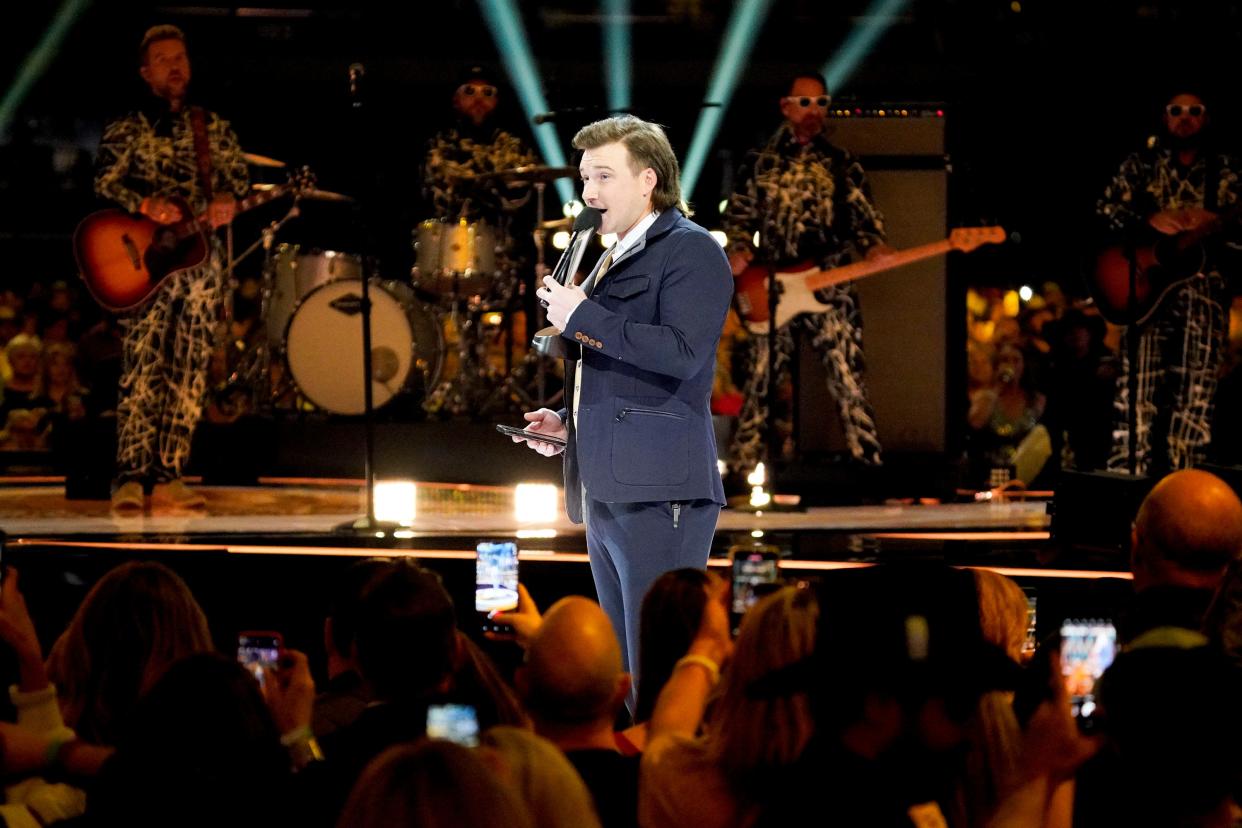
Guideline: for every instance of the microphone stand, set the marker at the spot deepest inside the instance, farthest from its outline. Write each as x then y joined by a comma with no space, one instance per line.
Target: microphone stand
367,523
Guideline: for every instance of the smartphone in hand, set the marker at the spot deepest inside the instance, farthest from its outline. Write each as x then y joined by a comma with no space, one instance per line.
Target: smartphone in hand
495,581
259,651
755,573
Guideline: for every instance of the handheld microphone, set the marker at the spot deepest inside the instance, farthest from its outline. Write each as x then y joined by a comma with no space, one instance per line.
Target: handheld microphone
585,225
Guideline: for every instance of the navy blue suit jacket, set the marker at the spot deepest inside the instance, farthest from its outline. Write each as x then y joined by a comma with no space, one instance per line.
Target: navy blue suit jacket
648,338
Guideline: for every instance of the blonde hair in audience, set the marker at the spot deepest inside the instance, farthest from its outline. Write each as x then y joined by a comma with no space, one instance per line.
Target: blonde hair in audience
543,778
1002,611
434,784
992,762
136,621
745,734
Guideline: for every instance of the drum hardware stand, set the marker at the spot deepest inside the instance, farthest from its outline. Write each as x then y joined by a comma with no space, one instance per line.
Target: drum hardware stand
366,523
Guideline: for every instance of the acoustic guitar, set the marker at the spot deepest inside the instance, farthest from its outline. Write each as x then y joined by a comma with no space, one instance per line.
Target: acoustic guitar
124,257
1161,262
797,289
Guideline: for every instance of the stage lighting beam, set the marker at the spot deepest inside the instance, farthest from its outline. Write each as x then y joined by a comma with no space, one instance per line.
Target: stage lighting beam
38,60
860,41
617,59
740,35
505,23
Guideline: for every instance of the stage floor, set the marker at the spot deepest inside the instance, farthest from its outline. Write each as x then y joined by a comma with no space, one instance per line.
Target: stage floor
298,507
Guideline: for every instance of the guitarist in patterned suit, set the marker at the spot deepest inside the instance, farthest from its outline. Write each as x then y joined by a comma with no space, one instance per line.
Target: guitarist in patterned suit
147,159
810,204
1174,185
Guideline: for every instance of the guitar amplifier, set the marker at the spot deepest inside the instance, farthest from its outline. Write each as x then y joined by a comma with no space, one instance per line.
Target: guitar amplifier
913,322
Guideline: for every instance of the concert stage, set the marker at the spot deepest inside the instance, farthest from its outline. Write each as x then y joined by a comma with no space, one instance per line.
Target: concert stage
266,556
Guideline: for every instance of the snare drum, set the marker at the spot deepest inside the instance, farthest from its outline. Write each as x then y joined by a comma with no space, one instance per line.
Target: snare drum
323,346
455,259
297,273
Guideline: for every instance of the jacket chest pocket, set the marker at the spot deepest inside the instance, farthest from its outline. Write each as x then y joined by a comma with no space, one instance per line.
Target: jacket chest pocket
628,287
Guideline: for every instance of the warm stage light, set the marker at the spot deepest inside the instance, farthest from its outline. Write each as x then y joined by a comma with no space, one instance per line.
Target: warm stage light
396,501
608,240
572,209
720,237
1025,293
560,239
535,503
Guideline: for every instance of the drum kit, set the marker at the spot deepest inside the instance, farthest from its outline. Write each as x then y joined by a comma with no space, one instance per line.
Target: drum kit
463,286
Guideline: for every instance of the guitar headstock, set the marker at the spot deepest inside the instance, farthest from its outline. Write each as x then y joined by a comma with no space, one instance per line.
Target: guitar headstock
967,239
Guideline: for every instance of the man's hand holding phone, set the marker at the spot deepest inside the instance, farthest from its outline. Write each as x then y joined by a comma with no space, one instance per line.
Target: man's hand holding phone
524,621
544,421
290,691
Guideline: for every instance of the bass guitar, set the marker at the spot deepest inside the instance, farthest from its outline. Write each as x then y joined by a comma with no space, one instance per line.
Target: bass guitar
797,289
124,258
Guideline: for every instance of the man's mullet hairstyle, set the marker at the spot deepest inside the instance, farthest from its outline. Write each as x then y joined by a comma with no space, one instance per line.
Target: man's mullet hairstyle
648,146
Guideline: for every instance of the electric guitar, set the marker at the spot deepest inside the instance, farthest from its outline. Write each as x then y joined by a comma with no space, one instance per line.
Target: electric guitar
1161,264
797,289
124,257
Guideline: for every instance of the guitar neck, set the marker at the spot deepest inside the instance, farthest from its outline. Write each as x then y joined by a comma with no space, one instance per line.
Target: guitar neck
200,221
857,270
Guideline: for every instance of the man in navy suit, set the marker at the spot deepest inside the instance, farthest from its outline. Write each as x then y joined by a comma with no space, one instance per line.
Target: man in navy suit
640,467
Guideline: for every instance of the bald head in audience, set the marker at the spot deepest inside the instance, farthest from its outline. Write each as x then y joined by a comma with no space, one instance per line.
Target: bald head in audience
1187,531
573,682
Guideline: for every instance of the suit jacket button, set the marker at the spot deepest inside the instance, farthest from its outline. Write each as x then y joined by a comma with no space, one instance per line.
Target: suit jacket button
578,336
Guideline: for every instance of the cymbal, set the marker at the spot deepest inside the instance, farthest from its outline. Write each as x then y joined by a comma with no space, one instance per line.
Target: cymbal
528,172
256,160
311,194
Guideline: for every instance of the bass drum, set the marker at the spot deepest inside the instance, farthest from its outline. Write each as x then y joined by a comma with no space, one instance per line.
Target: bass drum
298,271
323,346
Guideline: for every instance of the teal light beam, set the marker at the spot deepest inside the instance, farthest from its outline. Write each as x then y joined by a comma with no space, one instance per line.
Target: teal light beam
38,60
505,24
860,42
740,35
617,65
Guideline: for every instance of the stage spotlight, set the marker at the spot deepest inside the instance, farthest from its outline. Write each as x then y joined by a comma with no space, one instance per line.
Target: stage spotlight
608,240
396,501
38,60
722,467
720,237
505,23
535,503
861,40
616,14
572,209
560,239
534,534
724,205
1025,293
740,34
759,476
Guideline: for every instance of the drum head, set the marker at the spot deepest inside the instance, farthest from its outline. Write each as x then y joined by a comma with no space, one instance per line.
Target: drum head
323,346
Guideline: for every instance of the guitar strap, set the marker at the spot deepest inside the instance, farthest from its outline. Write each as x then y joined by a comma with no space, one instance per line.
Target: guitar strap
202,150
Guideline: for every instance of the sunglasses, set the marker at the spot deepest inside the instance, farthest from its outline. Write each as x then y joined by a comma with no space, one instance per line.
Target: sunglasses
805,102
1194,110
470,90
